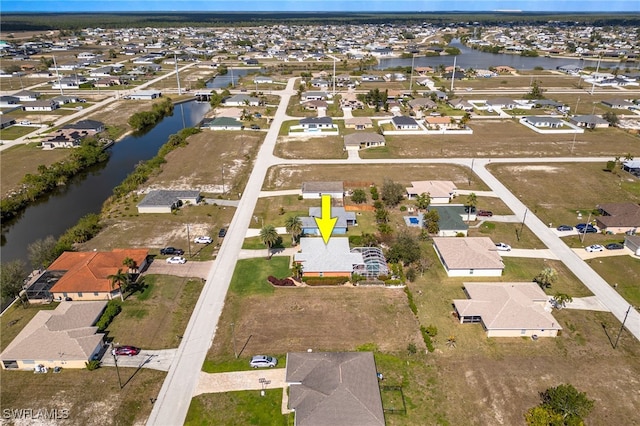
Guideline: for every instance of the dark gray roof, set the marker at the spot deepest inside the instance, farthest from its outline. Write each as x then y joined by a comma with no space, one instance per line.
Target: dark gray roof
163,197
402,120
334,389
85,125
589,119
450,218
316,120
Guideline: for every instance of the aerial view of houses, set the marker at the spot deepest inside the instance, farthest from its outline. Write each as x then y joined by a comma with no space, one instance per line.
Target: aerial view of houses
268,219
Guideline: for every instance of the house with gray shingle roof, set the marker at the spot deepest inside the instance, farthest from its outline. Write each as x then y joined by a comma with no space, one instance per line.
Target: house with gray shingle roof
450,221
334,388
164,201
333,259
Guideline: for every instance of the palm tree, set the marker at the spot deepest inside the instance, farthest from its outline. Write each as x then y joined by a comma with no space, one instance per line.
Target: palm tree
130,264
120,280
546,277
269,237
293,225
472,201
296,270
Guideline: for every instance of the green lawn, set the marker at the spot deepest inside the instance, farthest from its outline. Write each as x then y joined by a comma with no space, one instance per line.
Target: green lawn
250,276
623,271
238,408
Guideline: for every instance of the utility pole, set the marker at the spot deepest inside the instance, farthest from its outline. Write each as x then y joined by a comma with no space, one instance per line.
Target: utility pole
615,345
115,360
453,74
524,217
222,169
413,58
175,59
189,240
597,69
55,65
334,76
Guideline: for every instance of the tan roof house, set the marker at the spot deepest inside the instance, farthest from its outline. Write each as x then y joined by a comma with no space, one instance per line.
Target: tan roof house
334,389
469,256
64,337
508,309
358,123
363,140
440,191
315,190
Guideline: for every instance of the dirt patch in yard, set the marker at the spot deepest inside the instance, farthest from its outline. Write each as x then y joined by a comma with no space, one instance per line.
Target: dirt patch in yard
334,319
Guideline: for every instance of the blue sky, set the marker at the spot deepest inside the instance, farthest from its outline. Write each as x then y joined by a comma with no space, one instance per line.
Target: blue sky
320,5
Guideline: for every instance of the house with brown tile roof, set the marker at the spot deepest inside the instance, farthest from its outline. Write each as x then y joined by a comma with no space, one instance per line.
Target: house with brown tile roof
618,218
508,309
85,273
334,389
469,256
64,337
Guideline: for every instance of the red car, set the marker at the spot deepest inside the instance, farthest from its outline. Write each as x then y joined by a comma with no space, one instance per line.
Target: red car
125,350
486,213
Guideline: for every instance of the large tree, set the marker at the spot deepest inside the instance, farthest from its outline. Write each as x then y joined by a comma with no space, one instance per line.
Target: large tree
121,280
359,196
12,276
269,237
42,252
423,201
404,249
293,225
431,221
562,405
392,192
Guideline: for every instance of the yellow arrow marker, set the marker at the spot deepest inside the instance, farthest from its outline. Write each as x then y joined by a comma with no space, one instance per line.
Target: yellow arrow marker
326,223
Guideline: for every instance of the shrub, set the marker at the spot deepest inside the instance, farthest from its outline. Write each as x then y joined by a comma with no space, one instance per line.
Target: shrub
285,282
113,308
316,281
427,339
94,364
412,303
411,348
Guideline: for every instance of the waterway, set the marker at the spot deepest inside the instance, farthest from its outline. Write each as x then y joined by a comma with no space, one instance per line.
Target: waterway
470,58
230,78
87,192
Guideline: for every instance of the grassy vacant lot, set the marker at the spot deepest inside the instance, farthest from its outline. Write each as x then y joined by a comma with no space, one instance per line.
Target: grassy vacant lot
292,177
311,147
14,132
490,139
507,233
210,157
555,192
19,160
157,316
623,271
116,114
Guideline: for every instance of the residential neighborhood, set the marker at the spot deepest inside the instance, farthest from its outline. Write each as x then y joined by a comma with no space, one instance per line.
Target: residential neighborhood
312,224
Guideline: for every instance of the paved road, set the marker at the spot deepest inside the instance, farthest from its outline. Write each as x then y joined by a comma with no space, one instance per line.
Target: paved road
180,384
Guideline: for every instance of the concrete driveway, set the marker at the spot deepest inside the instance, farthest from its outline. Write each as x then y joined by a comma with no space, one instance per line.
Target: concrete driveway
189,269
240,380
155,359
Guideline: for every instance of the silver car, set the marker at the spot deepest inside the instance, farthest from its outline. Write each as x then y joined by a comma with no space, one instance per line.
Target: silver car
260,361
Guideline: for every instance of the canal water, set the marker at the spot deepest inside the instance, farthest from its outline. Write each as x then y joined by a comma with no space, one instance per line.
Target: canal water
87,192
470,58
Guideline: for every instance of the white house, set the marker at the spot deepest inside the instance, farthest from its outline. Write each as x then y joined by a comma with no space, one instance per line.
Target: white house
469,256
440,191
508,309
315,190
146,95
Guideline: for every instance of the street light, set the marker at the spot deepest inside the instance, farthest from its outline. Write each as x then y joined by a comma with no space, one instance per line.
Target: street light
233,337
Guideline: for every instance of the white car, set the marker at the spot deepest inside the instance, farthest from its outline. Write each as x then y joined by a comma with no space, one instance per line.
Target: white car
203,240
176,259
261,361
503,247
594,248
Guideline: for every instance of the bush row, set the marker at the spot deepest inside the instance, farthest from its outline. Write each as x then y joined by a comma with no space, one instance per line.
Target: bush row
315,281
113,308
34,186
285,282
